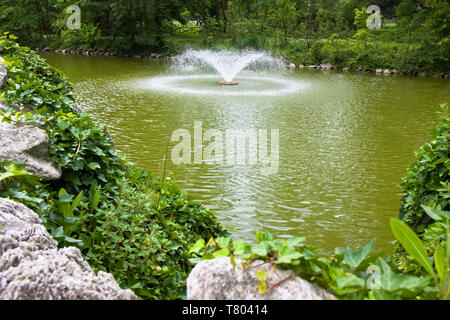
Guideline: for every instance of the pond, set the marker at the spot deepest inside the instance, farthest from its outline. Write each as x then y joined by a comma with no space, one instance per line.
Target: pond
345,140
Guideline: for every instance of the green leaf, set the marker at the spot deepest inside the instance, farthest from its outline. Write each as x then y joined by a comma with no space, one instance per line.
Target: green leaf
221,253
13,170
94,197
261,275
295,240
199,245
350,280
287,254
94,166
241,248
436,214
260,249
353,259
440,263
223,242
411,242
75,203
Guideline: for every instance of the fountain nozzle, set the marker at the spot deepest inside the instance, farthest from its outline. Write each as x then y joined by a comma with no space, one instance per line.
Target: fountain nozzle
228,83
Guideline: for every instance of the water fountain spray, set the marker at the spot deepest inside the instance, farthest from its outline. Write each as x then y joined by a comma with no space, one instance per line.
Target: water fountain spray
228,64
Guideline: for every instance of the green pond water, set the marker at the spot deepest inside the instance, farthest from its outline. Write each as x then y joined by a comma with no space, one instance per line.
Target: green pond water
345,140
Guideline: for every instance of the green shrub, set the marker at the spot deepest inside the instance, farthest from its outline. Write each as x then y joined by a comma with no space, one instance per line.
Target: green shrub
427,179
86,37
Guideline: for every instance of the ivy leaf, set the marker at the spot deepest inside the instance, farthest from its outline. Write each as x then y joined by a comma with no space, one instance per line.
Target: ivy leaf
199,245
287,254
260,249
350,280
353,259
295,240
94,165
223,242
261,275
241,248
225,252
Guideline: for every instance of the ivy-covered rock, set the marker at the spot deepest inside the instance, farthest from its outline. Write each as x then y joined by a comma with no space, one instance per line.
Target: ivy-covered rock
28,144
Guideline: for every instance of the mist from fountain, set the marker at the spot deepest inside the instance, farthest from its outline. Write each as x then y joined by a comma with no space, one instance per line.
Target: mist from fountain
199,71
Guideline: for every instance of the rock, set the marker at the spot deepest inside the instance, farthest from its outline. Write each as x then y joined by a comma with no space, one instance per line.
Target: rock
217,280
77,108
46,49
346,69
18,224
3,72
292,66
155,56
327,66
394,71
33,268
360,68
387,71
312,66
64,51
137,57
302,66
379,71
28,144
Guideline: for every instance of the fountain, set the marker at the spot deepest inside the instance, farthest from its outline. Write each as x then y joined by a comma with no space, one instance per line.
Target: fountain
228,64
199,72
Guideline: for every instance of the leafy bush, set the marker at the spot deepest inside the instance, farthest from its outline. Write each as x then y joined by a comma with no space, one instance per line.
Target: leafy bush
427,179
125,221
86,37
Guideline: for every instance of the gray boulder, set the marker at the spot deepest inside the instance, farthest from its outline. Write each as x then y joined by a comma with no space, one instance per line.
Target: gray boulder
28,144
217,280
33,268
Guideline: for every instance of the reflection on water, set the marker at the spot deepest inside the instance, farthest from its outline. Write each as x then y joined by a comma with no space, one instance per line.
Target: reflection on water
345,142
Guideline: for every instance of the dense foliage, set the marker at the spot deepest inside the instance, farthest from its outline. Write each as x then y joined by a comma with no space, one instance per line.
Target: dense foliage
427,180
413,38
125,221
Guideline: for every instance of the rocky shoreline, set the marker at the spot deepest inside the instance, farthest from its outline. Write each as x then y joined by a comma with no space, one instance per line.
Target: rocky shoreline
329,67
104,53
